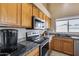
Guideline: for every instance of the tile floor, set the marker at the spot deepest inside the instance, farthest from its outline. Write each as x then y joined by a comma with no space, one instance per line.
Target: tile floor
55,53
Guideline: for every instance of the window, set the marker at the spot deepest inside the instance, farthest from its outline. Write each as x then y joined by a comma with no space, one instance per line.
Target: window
62,26
74,25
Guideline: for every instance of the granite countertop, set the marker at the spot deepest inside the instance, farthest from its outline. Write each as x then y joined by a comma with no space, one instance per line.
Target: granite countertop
29,46
24,47
72,36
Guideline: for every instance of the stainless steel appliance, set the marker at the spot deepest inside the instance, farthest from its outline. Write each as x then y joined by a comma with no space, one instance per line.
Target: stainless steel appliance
38,23
44,48
8,38
76,46
44,43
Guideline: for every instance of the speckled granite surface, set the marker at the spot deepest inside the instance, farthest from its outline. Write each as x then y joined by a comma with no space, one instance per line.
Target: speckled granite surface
29,45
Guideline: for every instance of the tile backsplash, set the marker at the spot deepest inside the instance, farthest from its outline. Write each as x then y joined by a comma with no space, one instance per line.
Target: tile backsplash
22,32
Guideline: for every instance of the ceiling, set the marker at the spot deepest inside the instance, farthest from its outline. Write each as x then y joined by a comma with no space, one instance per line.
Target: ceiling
60,10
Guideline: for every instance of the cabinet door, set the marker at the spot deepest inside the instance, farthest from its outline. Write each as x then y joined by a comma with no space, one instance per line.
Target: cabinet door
68,46
35,11
44,17
3,13
9,13
19,14
34,52
57,44
12,13
46,21
49,23
40,15
27,15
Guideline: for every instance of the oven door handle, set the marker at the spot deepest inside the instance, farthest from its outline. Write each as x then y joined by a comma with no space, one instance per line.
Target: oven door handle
44,44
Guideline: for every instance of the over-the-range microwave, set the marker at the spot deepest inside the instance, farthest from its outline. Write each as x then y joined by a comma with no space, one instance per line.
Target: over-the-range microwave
38,23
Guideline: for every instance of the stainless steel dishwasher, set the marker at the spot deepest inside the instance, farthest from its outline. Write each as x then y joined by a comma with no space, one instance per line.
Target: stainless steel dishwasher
76,47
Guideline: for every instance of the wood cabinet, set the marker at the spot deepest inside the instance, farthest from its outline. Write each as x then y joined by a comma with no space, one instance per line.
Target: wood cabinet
35,11
44,17
65,45
34,52
9,13
12,13
27,15
3,13
19,16
50,49
16,14
48,22
68,46
57,44
41,15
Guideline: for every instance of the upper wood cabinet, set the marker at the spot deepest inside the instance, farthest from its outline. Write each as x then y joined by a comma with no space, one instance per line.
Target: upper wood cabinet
9,14
41,15
35,11
27,15
19,16
48,22
12,13
16,14
44,16
3,13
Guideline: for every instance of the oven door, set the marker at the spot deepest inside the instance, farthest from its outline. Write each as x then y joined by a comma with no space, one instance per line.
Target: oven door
44,49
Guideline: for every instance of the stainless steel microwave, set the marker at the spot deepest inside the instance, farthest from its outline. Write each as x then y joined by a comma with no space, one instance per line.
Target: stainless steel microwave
38,23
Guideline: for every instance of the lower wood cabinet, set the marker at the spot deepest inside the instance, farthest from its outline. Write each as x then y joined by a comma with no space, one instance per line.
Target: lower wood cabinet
68,46
57,44
65,45
34,52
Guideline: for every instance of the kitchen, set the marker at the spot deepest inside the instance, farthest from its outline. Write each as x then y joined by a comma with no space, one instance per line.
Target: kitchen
22,28
38,29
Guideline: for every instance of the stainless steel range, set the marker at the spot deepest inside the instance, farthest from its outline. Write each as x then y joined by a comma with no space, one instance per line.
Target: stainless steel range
43,41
